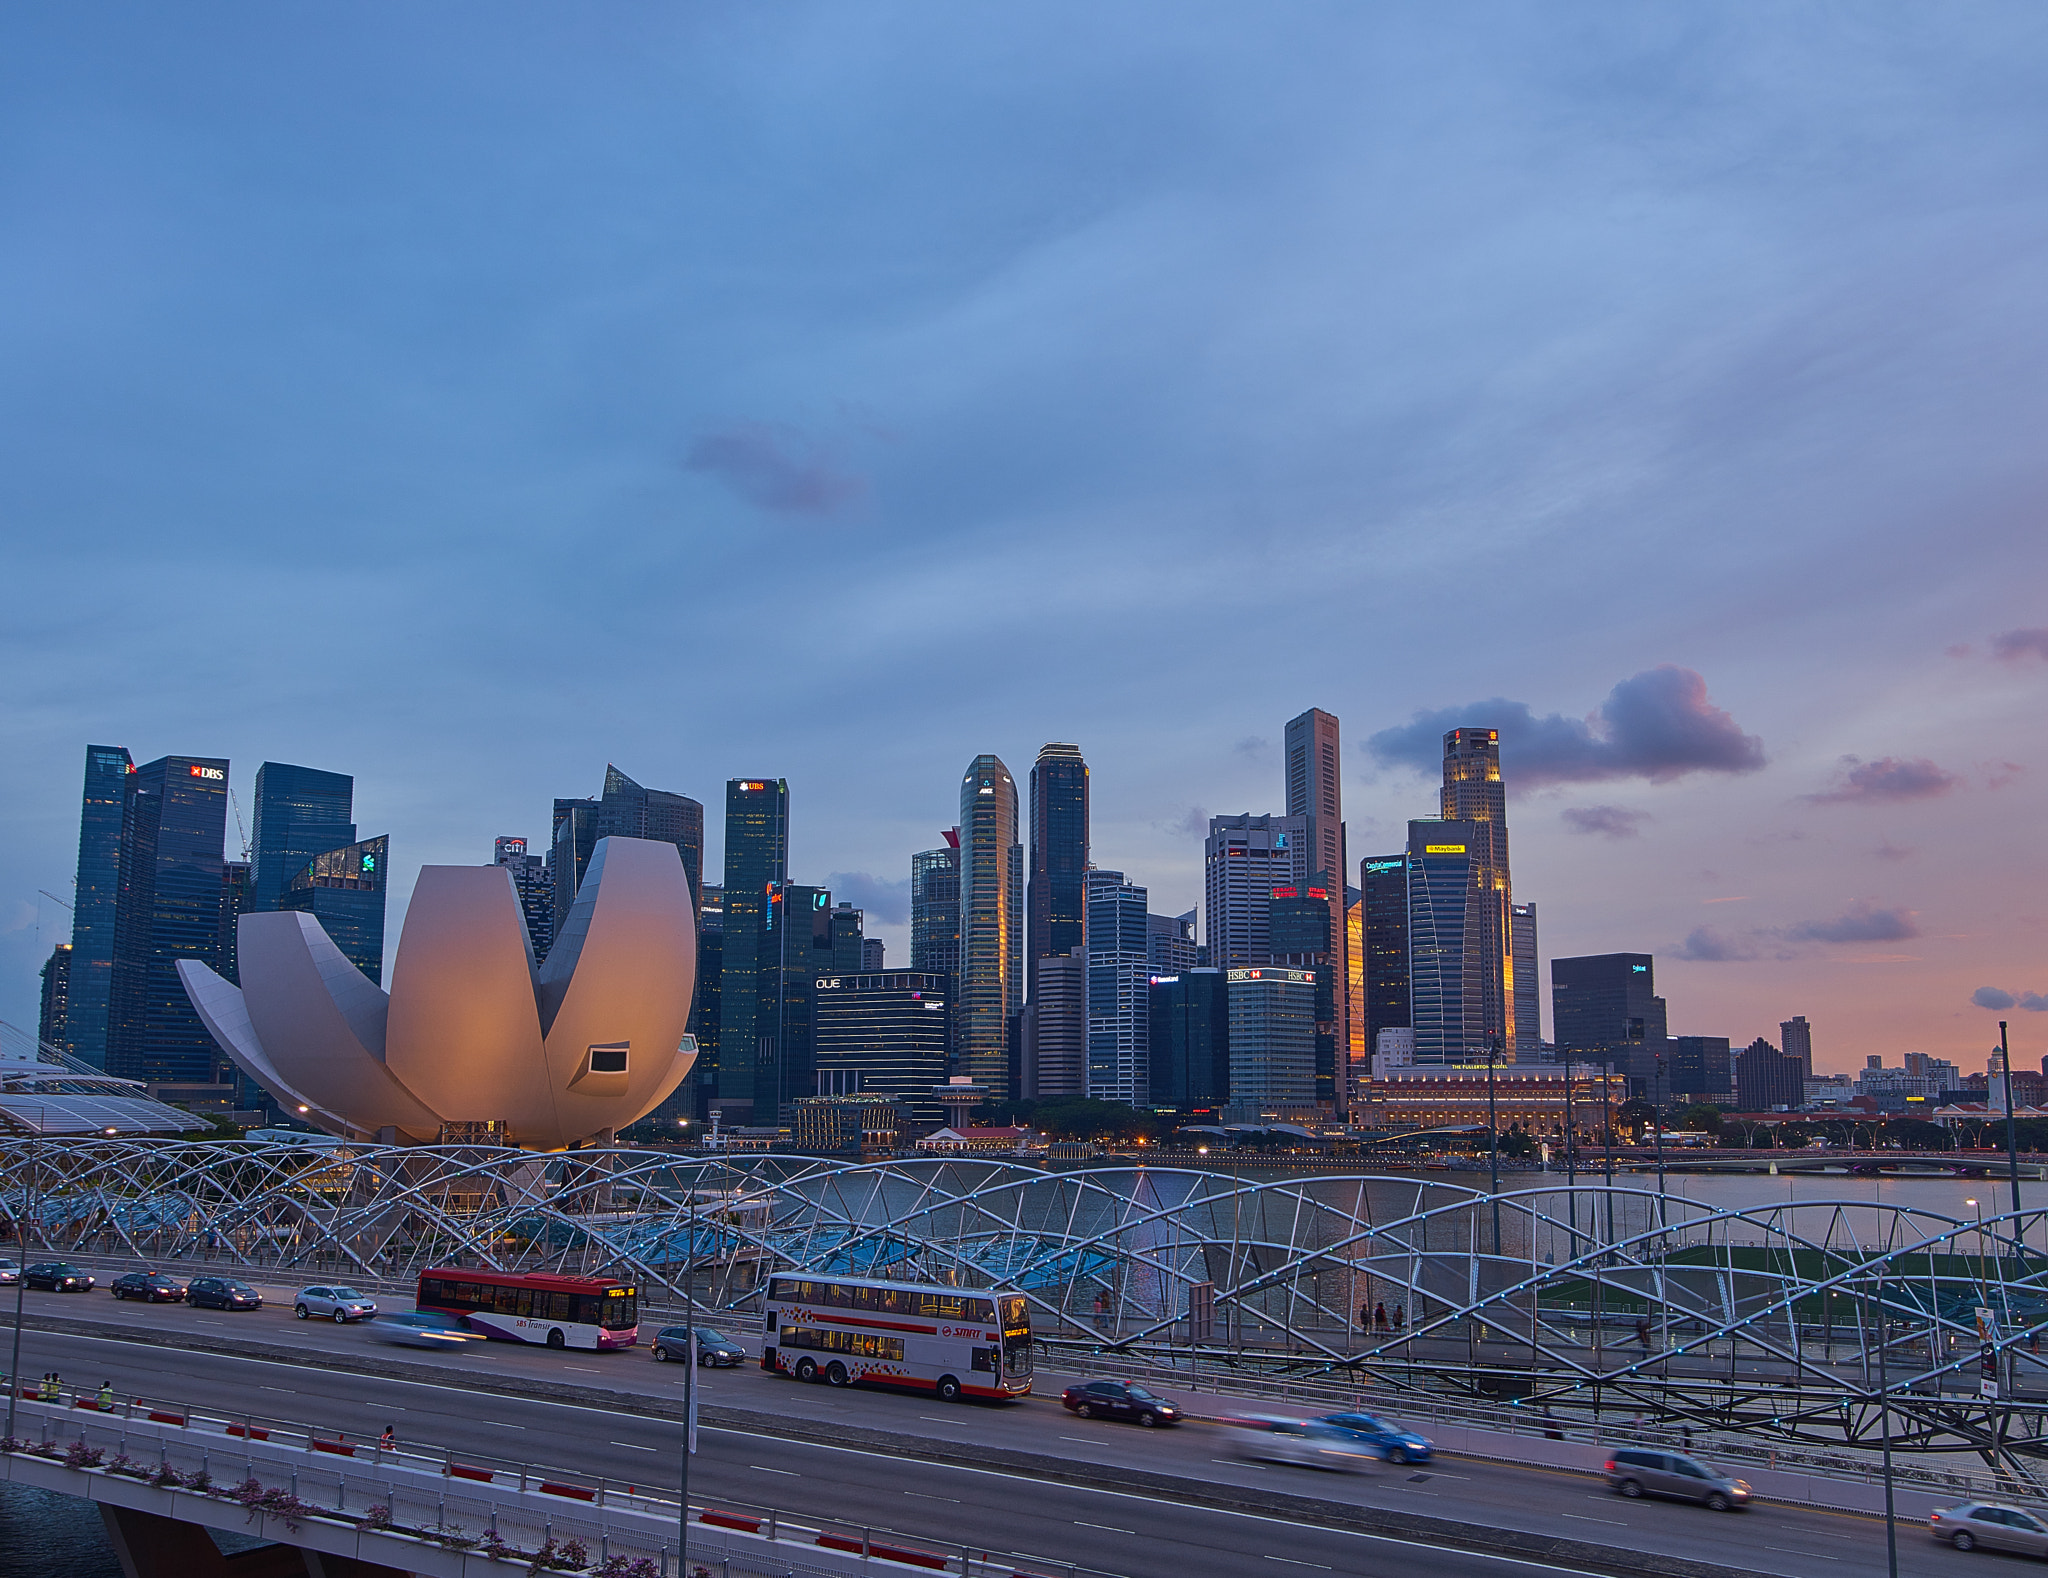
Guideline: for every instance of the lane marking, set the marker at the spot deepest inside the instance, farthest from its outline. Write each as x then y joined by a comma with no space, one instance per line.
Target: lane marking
921,1496
1108,1527
1091,1440
1291,1562
581,1369
1616,1522
284,1389
763,1468
635,1446
500,1424
1788,1551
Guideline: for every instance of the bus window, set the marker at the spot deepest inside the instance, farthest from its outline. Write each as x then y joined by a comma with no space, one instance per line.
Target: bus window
1013,1314
984,1358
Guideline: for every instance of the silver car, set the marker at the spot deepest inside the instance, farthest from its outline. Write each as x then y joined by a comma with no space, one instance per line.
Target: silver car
1307,1442
1970,1524
422,1329
10,1273
1644,1471
337,1301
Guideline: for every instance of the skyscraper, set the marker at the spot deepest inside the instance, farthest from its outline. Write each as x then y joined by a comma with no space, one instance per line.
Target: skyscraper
1301,935
706,1012
1059,855
1188,1026
873,956
794,950
1272,1043
626,810
1170,943
1604,1008
536,890
1766,1078
1315,793
343,889
1055,1051
570,845
299,812
935,921
1528,988
1474,794
1797,1037
108,769
172,886
883,1033
1446,907
1119,1055
991,924
1383,880
1245,858
52,1023
756,856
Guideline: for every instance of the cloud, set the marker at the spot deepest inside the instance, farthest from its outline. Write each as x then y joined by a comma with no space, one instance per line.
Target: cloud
1998,774
774,466
1657,725
2016,646
886,901
1610,821
1890,851
1887,780
1862,922
1713,946
1191,823
1995,997
1253,746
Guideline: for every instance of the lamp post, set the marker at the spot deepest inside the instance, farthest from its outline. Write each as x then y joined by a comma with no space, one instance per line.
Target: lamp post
21,1278
1493,1136
2012,1134
1884,1419
689,1384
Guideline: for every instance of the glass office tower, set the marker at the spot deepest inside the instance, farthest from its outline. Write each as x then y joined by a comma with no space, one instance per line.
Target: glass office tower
1058,918
1604,1008
756,856
172,885
1119,1057
52,1026
1383,879
1446,905
108,769
1474,794
343,889
991,924
793,950
1189,1031
883,1034
627,810
299,812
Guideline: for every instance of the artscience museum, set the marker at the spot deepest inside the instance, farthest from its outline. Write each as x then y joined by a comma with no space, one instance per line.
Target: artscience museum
475,1036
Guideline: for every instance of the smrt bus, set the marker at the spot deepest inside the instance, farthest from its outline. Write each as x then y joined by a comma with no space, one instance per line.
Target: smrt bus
537,1306
957,1342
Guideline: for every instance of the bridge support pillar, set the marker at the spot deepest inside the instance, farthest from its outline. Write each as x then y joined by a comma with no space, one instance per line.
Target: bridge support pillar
148,1546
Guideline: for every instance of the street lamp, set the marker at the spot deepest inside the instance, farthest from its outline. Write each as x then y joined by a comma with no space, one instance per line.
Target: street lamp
21,1273
1884,1418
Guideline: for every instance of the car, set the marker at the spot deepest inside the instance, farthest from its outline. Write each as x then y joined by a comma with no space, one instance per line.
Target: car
57,1276
337,1301
1640,1471
1991,1524
222,1293
1392,1442
10,1273
423,1329
1120,1400
152,1287
673,1342
1308,1442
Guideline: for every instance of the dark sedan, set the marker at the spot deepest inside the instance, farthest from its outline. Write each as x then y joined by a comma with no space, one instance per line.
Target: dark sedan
152,1287
222,1293
56,1276
1120,1400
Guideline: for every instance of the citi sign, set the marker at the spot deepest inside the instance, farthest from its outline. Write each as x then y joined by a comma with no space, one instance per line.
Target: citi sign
217,774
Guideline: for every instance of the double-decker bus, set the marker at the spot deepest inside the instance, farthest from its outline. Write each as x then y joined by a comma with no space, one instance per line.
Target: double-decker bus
537,1306
957,1342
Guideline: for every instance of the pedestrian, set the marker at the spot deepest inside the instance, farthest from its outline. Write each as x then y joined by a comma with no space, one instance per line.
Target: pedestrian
388,1441
1643,1331
1551,1432
1638,1427
1364,1318
1400,1318
1379,1317
106,1397
1685,1437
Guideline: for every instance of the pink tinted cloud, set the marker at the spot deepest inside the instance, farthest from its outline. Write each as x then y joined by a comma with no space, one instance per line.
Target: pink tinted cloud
1886,781
2016,646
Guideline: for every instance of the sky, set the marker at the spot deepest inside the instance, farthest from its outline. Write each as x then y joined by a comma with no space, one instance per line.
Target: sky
467,396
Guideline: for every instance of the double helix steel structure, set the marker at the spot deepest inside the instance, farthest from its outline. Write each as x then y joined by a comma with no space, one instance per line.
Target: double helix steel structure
1791,1319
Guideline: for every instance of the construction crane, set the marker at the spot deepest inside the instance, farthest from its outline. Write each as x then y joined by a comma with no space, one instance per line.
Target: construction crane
237,804
46,893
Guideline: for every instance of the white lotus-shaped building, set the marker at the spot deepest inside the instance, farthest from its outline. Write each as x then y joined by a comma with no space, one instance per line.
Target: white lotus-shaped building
473,1031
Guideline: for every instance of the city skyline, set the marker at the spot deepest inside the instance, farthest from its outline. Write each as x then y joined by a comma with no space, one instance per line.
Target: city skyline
1698,355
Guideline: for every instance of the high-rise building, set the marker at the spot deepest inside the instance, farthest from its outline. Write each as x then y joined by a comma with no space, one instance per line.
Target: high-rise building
299,812
626,810
991,989
237,879
756,856
536,889
1055,1032
570,846
1766,1079
1170,943
1383,881
1315,792
935,919
794,951
1445,928
1119,1054
1357,1061
1604,1008
873,953
883,1033
343,889
1272,1043
1698,1068
705,1011
1058,921
849,941
1301,935
172,885
1474,794
108,770
1188,1026
1244,859
52,1024
1797,1037
1528,987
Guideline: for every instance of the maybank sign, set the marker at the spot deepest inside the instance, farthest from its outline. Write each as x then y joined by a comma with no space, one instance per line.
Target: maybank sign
1443,849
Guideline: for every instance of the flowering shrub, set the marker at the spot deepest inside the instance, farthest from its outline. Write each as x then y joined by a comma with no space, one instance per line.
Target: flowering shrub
378,1517
125,1465
166,1477
83,1456
621,1567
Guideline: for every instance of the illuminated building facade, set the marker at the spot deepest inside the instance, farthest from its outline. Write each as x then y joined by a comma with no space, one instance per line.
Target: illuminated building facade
794,950
1474,794
884,1035
1272,1041
756,855
1244,859
299,812
1300,934
1314,768
1383,909
1056,896
343,889
536,889
1605,1008
935,917
1528,1099
1446,910
1528,982
991,989
1188,1026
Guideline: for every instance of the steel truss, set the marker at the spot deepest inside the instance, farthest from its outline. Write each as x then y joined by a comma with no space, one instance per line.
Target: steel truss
1768,1319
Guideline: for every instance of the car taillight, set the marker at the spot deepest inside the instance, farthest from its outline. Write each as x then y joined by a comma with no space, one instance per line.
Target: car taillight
1610,1466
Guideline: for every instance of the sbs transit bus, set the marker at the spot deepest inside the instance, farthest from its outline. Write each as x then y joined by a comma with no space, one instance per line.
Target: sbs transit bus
957,1342
536,1306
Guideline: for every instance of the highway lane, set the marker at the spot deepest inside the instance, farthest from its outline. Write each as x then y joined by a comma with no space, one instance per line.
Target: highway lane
927,1501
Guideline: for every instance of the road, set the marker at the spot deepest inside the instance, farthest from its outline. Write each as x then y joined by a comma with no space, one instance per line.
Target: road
947,1504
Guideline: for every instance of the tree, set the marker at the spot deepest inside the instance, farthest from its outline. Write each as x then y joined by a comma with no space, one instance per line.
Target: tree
1701,1118
1632,1119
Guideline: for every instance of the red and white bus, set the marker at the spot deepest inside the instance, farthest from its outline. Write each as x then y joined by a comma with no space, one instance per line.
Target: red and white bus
537,1306
957,1342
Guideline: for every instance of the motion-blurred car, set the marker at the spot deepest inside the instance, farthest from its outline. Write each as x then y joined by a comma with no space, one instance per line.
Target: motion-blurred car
152,1287
1996,1527
1640,1471
222,1293
713,1350
1120,1400
337,1301
57,1276
422,1329
1308,1442
10,1273
1391,1441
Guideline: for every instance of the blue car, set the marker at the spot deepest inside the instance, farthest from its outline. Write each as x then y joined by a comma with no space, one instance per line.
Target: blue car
1387,1438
